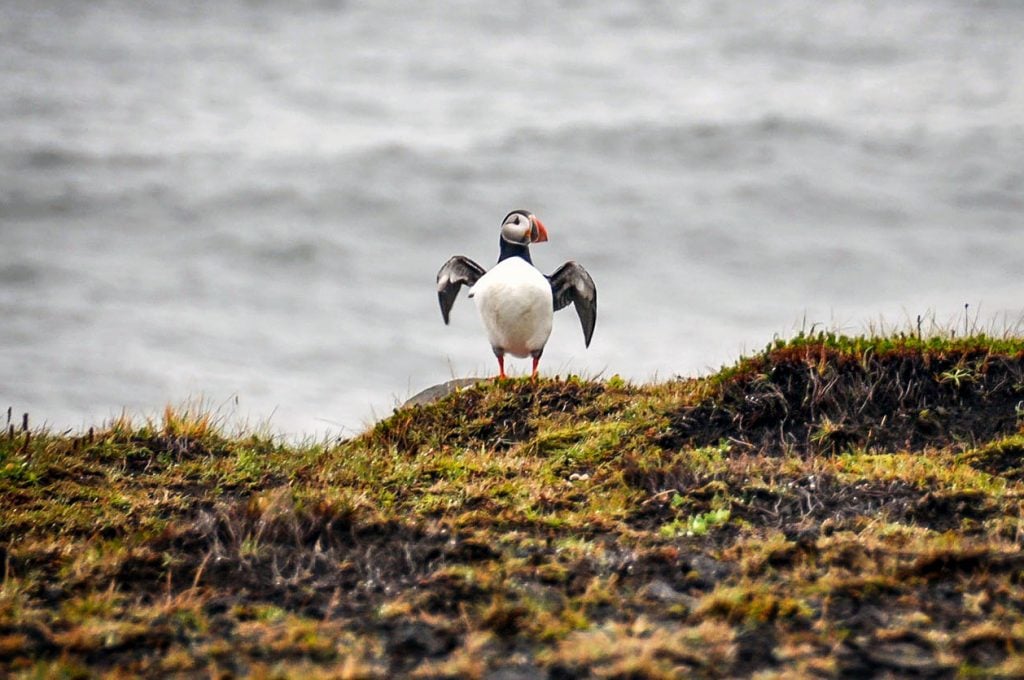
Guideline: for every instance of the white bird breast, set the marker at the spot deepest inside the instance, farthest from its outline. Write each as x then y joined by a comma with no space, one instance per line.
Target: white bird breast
515,304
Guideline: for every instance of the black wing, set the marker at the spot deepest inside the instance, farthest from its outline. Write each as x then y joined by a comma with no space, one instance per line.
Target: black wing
457,271
572,283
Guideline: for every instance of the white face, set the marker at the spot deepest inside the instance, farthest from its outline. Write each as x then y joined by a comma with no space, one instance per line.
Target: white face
517,228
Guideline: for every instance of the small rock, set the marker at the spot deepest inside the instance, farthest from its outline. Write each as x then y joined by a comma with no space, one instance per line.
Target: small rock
710,570
517,672
908,655
660,591
432,394
417,639
904,656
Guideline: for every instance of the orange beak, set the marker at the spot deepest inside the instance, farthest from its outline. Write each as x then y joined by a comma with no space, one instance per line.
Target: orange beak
538,234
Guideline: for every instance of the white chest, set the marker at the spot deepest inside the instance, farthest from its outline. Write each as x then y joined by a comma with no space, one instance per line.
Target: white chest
515,305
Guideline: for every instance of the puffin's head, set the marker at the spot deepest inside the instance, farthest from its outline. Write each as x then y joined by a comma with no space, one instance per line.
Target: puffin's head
523,227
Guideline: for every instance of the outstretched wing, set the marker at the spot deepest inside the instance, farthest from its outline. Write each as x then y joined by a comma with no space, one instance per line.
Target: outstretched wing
455,273
572,283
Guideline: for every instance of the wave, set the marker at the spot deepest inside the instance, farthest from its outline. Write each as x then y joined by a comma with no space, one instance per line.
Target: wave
49,157
656,134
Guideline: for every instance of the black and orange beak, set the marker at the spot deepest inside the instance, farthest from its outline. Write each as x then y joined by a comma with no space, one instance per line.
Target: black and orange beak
538,234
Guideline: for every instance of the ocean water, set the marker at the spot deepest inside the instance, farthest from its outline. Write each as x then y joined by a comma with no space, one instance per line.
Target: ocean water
247,202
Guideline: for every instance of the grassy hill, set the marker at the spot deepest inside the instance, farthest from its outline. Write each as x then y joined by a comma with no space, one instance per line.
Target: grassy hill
830,506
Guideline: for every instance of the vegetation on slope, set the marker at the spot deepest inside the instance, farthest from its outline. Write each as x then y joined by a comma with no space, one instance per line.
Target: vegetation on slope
831,506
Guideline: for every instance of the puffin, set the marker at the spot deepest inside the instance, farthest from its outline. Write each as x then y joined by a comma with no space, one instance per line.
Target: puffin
515,300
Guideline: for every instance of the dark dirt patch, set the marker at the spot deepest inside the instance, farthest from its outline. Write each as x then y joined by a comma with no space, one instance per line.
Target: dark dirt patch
942,564
873,613
990,647
800,505
1002,459
877,643
18,640
813,399
907,655
756,647
155,453
943,511
810,501
295,558
411,641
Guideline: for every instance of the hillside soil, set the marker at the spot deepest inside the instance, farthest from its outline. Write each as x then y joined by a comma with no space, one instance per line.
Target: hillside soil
829,507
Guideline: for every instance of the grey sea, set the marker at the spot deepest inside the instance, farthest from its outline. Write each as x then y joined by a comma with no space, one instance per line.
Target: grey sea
246,203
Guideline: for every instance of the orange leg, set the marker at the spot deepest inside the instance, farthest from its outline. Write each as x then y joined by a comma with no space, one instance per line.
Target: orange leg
533,376
501,366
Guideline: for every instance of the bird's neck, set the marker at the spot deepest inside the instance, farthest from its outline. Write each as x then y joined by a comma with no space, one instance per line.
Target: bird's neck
513,250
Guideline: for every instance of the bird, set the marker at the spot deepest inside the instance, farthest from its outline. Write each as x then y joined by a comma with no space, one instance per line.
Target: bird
515,300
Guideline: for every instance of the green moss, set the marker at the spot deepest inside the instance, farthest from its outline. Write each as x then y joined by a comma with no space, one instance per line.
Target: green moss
695,525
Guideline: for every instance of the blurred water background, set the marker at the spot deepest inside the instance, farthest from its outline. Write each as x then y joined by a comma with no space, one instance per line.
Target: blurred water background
247,202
